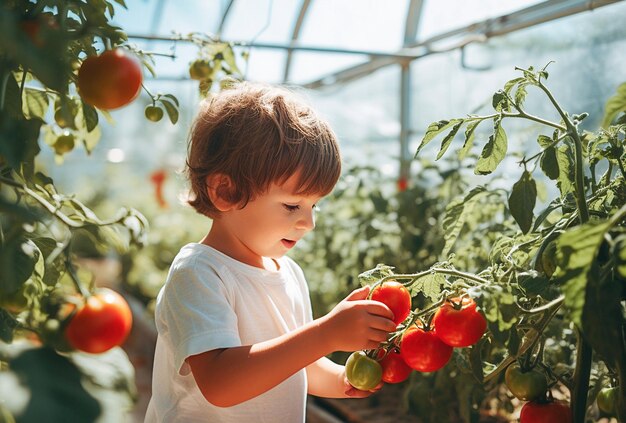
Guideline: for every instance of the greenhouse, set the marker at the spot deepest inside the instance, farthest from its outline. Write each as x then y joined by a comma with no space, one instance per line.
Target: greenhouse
314,210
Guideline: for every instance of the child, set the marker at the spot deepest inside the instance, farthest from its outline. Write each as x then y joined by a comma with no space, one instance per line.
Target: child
237,342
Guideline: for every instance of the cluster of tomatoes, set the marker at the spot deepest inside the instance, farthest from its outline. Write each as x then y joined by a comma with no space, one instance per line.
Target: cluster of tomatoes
456,324
529,384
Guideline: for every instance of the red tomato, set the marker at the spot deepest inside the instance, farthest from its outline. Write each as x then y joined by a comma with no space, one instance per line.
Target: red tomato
462,327
396,297
545,412
423,350
110,80
395,370
101,324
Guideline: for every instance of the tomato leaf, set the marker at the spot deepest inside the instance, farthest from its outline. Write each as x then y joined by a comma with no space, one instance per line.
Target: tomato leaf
429,285
456,215
549,163
469,138
7,326
614,105
35,103
500,102
171,109
576,251
373,275
522,201
448,139
435,129
494,151
54,386
565,160
18,257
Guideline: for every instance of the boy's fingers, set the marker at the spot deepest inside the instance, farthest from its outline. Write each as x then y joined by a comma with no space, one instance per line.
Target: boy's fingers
379,309
358,294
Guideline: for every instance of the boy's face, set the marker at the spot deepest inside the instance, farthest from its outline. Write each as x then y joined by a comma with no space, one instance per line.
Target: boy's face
270,225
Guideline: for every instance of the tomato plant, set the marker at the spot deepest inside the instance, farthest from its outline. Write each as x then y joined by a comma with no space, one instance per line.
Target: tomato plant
111,80
395,296
423,351
363,372
525,385
458,323
395,369
545,412
102,323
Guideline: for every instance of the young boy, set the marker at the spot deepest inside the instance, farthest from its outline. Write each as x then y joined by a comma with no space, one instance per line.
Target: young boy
237,342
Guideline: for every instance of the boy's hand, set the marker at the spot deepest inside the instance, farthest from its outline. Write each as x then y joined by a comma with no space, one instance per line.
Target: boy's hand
357,324
353,392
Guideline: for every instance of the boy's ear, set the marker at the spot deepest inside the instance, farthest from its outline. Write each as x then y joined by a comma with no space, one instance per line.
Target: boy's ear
220,190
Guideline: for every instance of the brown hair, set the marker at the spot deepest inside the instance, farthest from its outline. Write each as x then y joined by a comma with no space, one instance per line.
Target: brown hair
256,135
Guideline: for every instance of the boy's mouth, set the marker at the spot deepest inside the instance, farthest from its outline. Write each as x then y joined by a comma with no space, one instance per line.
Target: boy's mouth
288,243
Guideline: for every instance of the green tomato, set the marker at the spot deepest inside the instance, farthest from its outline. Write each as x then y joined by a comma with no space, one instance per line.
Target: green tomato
64,144
606,400
200,69
526,386
153,113
363,373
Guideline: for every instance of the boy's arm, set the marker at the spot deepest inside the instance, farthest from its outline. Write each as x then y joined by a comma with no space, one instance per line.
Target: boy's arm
230,376
328,379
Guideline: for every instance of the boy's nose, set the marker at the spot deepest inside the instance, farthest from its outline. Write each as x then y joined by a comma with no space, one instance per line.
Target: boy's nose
307,221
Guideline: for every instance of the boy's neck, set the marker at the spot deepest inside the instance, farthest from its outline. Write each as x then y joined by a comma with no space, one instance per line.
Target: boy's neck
226,245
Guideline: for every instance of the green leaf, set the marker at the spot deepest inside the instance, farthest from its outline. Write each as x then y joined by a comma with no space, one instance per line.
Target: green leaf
469,138
565,160
18,257
229,58
494,151
510,84
173,98
575,254
429,285
170,108
500,102
435,129
18,140
549,163
54,385
614,105
373,275
448,139
7,326
456,215
544,141
90,116
520,94
522,201
35,103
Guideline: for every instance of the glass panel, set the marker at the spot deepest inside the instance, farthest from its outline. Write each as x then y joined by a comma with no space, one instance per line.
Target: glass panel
439,16
356,24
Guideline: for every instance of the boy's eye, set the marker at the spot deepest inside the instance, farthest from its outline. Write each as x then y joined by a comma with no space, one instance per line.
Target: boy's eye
290,207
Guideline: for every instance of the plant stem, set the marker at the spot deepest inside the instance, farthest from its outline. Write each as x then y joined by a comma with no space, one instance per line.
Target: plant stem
584,351
3,88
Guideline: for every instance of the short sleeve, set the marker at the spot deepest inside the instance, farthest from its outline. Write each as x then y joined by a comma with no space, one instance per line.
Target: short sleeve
194,314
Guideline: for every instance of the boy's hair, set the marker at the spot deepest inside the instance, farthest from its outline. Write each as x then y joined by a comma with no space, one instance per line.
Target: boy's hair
258,134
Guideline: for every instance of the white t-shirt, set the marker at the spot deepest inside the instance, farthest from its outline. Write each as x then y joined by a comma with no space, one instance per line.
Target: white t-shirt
211,301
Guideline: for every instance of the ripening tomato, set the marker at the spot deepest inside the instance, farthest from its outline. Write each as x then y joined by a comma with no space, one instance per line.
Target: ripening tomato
545,412
103,322
528,385
110,80
363,372
459,326
395,370
423,350
395,296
